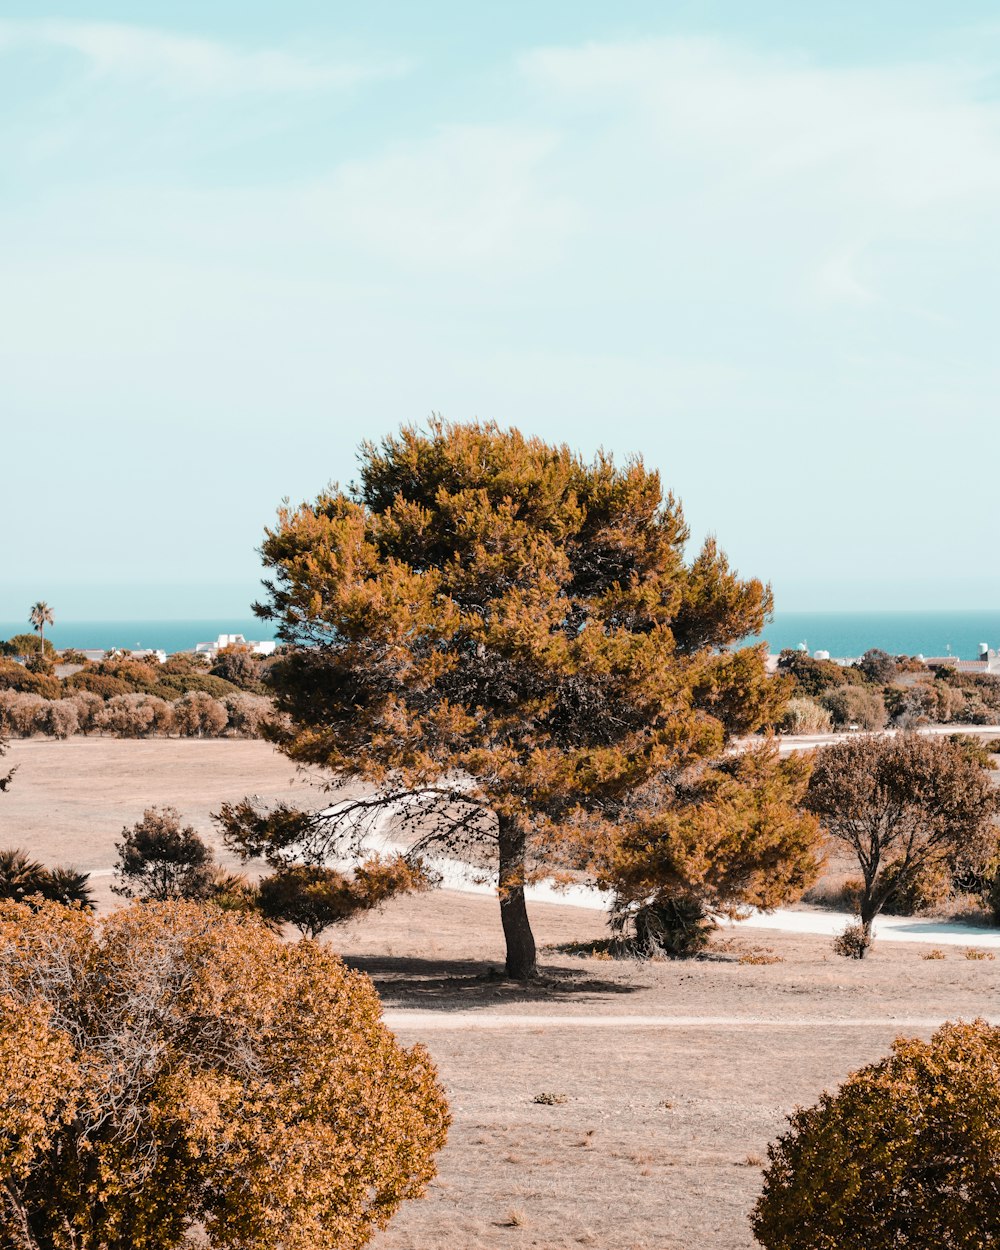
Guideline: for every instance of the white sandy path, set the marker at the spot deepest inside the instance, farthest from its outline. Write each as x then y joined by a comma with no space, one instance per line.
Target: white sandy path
424,1021
456,875
791,743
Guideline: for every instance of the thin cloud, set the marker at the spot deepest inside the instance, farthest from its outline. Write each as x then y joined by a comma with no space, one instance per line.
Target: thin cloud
185,63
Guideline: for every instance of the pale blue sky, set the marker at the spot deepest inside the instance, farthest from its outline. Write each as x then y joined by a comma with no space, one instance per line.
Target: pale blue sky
755,242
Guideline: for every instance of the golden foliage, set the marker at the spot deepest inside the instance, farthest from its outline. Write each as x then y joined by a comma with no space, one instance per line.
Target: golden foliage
906,1153
490,622
178,1065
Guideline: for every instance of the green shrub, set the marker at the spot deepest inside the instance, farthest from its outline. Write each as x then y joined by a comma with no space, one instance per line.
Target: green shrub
97,683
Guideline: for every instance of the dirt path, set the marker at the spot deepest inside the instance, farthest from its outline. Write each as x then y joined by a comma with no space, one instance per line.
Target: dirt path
436,1021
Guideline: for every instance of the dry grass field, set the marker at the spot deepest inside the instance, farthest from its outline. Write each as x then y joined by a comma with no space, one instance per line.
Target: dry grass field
615,1105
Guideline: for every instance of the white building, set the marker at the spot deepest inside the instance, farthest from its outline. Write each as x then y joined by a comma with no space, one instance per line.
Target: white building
212,649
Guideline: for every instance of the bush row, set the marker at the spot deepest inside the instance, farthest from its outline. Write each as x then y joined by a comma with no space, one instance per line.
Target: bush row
194,715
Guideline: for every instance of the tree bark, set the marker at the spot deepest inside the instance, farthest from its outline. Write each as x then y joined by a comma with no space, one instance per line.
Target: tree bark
521,960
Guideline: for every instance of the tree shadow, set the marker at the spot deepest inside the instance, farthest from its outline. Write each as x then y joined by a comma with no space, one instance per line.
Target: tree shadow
454,984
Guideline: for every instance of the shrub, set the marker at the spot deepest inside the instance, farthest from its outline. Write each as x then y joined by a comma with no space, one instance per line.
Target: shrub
676,927
248,713
198,715
126,716
804,716
178,1075
97,683
731,836
855,705
25,880
905,1154
160,859
14,676
200,683
878,666
71,656
914,892
88,706
813,677
62,719
26,645
313,898
854,942
239,666
24,715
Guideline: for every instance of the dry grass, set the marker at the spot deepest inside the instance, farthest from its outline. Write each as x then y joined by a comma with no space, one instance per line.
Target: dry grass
660,1145
761,957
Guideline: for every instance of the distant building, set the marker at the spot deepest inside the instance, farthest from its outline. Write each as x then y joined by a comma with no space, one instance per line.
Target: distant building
212,649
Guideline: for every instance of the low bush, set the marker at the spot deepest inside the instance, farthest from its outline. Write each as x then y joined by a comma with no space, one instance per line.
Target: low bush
805,716
854,942
856,705
905,1154
177,1076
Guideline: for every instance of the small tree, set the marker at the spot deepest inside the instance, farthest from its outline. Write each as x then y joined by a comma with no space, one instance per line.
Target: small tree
239,665
180,1076
906,1154
731,836
63,718
904,806
878,666
160,859
198,715
24,646
312,899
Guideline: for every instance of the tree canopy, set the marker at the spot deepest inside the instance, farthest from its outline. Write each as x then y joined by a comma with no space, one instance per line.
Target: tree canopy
905,806
503,635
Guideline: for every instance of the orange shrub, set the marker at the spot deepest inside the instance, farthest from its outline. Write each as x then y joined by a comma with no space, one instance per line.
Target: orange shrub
178,1066
905,1154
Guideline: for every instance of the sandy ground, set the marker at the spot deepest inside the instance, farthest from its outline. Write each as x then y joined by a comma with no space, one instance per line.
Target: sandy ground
674,1076
69,800
661,1083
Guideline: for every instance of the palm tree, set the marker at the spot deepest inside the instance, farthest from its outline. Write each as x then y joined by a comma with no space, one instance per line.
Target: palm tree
40,616
20,876
70,887
25,880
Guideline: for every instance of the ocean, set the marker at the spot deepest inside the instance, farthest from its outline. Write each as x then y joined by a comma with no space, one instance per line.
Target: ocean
168,636
899,633
840,633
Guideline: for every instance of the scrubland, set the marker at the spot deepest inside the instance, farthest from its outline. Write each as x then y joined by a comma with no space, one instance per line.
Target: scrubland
615,1104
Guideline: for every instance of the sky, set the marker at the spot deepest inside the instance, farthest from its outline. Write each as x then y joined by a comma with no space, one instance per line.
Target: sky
755,243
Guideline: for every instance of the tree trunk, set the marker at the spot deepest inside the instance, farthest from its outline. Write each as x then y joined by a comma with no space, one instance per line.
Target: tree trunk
521,961
869,910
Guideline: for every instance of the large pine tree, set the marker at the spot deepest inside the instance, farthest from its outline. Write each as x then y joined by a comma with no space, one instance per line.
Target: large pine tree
510,638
